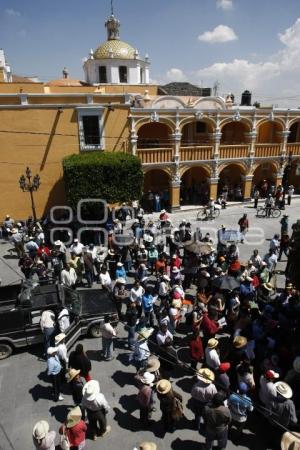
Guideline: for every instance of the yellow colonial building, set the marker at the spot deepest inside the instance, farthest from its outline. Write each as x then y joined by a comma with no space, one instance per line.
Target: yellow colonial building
188,141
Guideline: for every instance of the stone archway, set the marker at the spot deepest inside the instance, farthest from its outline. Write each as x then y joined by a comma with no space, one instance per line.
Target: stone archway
232,180
264,176
234,133
156,181
294,135
196,132
154,135
269,132
194,189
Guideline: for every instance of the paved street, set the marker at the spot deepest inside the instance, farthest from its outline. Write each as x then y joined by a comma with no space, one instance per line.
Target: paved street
25,390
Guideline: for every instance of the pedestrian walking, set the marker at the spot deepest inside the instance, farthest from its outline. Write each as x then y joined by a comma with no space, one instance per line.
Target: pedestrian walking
217,419
47,324
79,360
62,354
202,393
76,384
240,405
244,227
53,371
97,408
291,191
108,335
74,429
170,404
43,438
145,397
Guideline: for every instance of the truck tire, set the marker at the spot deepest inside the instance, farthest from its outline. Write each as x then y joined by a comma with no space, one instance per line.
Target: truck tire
94,331
5,350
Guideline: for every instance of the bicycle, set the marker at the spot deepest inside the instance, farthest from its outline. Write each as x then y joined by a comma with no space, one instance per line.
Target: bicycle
262,211
207,214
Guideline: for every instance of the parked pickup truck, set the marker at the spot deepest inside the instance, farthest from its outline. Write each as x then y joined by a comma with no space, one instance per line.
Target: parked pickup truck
21,307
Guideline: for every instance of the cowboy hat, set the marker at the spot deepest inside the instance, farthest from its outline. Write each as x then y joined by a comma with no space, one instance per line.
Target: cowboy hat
165,277
40,429
60,337
147,446
120,281
175,269
13,230
163,211
212,343
239,341
91,389
283,389
206,375
203,266
51,350
296,364
111,252
163,386
153,364
148,238
144,333
72,374
58,242
119,264
73,417
176,303
148,378
39,261
268,286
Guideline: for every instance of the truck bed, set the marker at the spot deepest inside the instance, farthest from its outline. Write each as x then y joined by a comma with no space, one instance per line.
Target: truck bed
96,301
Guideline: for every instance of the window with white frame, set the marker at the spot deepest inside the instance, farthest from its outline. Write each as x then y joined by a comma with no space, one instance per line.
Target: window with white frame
90,126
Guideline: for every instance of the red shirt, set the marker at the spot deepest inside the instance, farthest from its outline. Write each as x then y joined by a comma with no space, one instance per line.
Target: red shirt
209,326
76,434
196,348
42,250
176,262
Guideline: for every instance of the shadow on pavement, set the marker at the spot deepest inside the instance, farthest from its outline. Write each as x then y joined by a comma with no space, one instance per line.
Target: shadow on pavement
180,444
185,384
129,403
124,359
93,355
39,391
60,412
43,376
122,378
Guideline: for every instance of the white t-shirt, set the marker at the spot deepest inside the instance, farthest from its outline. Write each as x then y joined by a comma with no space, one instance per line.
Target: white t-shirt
77,248
68,277
212,358
137,294
105,279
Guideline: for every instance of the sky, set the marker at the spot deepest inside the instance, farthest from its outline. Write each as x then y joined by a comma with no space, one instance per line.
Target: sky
240,44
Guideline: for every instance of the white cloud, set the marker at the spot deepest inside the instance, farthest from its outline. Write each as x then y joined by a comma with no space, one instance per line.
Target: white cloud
225,4
176,75
12,12
220,34
271,80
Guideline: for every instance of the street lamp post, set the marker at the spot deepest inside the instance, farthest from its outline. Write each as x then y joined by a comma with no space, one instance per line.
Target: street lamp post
29,184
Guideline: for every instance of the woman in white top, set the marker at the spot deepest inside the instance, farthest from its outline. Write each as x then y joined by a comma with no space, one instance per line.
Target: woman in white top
105,279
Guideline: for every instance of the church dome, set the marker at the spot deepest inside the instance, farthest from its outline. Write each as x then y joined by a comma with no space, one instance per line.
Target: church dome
115,48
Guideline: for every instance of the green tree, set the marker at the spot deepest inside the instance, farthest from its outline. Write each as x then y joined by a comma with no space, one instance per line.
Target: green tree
114,177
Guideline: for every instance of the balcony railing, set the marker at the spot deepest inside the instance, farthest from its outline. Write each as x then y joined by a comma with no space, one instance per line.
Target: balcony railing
199,153
265,150
155,155
294,148
234,151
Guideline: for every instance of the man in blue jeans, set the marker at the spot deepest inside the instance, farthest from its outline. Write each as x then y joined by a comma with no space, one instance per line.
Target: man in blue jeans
147,302
108,334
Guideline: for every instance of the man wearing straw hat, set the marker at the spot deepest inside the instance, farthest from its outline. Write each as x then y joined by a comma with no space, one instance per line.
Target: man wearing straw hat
145,396
202,393
43,439
74,429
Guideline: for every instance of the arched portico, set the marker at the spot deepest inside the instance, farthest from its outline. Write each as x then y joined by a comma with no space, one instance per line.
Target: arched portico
294,135
232,181
264,176
269,132
156,182
235,133
194,189
294,175
154,135
196,132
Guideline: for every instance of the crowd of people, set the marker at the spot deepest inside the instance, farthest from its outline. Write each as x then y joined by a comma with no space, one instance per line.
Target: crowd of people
174,288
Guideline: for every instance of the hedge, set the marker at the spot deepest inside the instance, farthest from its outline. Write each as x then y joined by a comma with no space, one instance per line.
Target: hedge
114,177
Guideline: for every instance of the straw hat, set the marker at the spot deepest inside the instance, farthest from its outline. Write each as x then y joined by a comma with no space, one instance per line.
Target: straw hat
147,446
268,286
119,264
176,303
239,341
91,389
163,386
206,375
60,337
283,389
212,343
153,364
120,281
72,374
144,333
296,364
73,417
40,429
148,378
